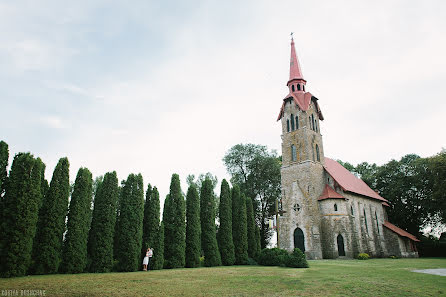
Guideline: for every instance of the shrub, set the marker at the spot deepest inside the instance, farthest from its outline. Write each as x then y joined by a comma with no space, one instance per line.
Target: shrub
202,261
251,261
297,259
393,257
363,256
273,257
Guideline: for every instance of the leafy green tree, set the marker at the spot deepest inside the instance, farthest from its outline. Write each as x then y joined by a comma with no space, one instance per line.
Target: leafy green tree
437,165
21,205
129,231
157,261
151,218
74,256
208,232
239,226
174,226
251,230
224,235
48,241
193,228
259,248
257,172
100,242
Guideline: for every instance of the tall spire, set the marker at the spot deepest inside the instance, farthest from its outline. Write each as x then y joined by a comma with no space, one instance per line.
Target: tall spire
295,71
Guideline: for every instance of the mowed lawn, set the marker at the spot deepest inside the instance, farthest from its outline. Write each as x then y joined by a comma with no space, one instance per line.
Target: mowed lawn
375,277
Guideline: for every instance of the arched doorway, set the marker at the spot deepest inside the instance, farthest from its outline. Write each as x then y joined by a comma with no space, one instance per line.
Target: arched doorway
341,250
299,239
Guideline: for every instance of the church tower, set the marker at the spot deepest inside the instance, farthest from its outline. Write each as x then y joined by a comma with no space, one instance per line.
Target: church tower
302,169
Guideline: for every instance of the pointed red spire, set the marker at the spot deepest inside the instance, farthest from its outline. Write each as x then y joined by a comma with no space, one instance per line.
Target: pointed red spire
295,71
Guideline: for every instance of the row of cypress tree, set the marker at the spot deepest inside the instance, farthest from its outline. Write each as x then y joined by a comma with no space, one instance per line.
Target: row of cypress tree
45,231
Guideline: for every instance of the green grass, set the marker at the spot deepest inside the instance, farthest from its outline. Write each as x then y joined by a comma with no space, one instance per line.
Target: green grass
375,277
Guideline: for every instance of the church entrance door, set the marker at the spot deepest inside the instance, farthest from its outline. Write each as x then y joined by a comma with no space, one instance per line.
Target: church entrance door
341,249
299,239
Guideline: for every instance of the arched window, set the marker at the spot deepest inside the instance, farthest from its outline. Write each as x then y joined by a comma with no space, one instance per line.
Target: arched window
336,207
292,88
303,88
298,87
293,153
341,249
288,125
351,209
365,222
312,122
318,158
297,122
315,125
292,122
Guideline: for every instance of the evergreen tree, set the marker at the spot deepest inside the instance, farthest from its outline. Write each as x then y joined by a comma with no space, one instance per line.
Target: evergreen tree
258,241
4,157
193,227
157,261
129,237
74,256
151,218
21,206
47,246
251,230
239,226
174,226
208,234
224,236
100,242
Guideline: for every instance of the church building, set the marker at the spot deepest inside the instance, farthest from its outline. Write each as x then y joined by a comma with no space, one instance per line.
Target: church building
327,211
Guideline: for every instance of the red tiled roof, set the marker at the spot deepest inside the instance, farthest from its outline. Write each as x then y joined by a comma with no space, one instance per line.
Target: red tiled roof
303,100
295,71
330,193
348,181
399,231
385,204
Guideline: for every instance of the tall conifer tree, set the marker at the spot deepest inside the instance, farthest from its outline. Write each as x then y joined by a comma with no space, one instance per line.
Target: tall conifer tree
157,261
4,157
207,217
239,227
224,236
47,246
100,242
174,226
251,230
21,206
193,227
129,237
74,256
151,218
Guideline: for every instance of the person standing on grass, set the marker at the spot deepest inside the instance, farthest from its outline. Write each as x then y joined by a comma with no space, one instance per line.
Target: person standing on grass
145,262
149,254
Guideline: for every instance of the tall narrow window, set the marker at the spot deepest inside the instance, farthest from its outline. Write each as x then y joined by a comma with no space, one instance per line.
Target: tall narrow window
297,122
365,222
293,153
309,122
315,125
377,224
312,149
351,209
298,87
303,88
288,125
292,122
318,158
292,87
312,121
336,207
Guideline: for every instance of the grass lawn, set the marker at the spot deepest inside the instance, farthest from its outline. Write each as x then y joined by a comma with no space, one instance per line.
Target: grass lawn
375,277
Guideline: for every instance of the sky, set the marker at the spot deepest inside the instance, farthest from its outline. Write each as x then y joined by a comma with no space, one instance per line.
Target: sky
162,87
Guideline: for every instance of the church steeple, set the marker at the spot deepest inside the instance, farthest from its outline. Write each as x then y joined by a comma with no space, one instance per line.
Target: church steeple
296,81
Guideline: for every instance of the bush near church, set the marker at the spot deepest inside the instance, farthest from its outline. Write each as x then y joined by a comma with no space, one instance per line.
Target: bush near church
363,256
280,257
